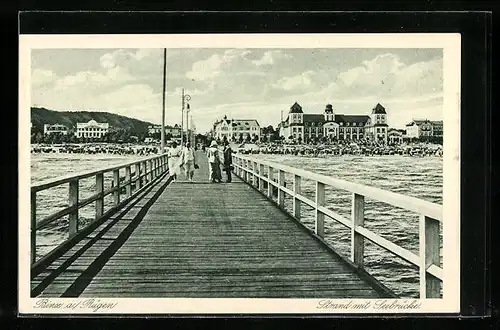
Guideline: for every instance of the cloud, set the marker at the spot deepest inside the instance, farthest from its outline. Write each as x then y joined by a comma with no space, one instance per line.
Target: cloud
271,57
242,83
94,80
387,75
41,77
303,81
219,64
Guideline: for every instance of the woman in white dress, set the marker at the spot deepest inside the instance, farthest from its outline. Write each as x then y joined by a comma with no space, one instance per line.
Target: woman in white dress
174,155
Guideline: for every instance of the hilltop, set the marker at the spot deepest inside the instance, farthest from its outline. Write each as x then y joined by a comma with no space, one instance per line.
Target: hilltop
41,116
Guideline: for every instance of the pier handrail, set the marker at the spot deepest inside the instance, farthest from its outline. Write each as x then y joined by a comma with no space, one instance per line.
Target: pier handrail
253,171
146,171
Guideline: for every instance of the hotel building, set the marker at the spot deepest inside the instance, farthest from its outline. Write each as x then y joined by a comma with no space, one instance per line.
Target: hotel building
92,129
306,127
424,128
233,129
55,129
175,130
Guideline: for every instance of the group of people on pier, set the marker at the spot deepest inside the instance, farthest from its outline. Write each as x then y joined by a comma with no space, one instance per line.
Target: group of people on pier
185,157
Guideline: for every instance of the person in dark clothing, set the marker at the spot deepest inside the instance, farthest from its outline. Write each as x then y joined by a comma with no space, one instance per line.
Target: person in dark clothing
228,160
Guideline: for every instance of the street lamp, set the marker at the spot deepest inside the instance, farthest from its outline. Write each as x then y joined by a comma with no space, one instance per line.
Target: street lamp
185,98
162,134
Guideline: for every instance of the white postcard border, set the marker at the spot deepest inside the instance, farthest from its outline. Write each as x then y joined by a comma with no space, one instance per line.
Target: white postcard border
450,303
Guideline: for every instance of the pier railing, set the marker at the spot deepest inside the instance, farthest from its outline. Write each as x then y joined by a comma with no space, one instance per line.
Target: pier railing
138,176
260,173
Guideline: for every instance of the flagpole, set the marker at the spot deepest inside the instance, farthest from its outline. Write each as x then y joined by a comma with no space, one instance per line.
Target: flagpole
163,107
182,118
187,125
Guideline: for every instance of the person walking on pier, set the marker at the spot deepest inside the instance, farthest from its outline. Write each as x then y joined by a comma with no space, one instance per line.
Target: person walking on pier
174,154
189,161
214,162
228,160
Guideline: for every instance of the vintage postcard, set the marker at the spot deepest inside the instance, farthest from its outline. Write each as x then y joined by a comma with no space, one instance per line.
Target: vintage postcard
247,174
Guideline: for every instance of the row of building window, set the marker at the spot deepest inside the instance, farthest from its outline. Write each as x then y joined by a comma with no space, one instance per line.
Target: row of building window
56,128
239,129
341,130
93,134
91,129
341,136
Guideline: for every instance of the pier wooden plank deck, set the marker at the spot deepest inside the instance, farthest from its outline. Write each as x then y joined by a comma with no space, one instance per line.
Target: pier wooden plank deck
201,240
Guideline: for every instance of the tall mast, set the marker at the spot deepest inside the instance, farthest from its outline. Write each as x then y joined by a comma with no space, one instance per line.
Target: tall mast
164,97
182,118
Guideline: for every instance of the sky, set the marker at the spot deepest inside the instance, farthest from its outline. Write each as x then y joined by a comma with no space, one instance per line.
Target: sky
240,83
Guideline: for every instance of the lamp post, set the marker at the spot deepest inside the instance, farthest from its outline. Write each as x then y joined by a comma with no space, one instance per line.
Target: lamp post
193,131
185,98
163,107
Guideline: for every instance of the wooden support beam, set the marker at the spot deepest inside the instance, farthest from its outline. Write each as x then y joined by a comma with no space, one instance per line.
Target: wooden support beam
358,220
73,200
128,187
33,227
270,178
430,286
281,183
116,180
99,188
297,191
319,224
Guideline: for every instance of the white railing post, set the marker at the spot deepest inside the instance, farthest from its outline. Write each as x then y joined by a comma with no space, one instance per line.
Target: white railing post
430,287
33,227
116,193
149,171
254,176
358,220
261,174
128,187
73,201
296,201
281,183
99,189
270,178
138,176
245,166
319,224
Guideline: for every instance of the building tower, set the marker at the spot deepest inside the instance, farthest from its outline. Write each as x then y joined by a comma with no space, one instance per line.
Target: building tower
379,123
296,121
329,113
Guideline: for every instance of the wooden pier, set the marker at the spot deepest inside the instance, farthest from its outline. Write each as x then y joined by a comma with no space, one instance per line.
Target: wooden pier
200,239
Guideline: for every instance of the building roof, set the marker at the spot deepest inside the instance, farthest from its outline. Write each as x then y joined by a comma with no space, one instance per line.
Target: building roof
403,131
351,118
296,108
244,122
92,123
419,122
312,117
379,109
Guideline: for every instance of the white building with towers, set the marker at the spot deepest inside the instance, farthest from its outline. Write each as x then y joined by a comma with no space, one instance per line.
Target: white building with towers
304,127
